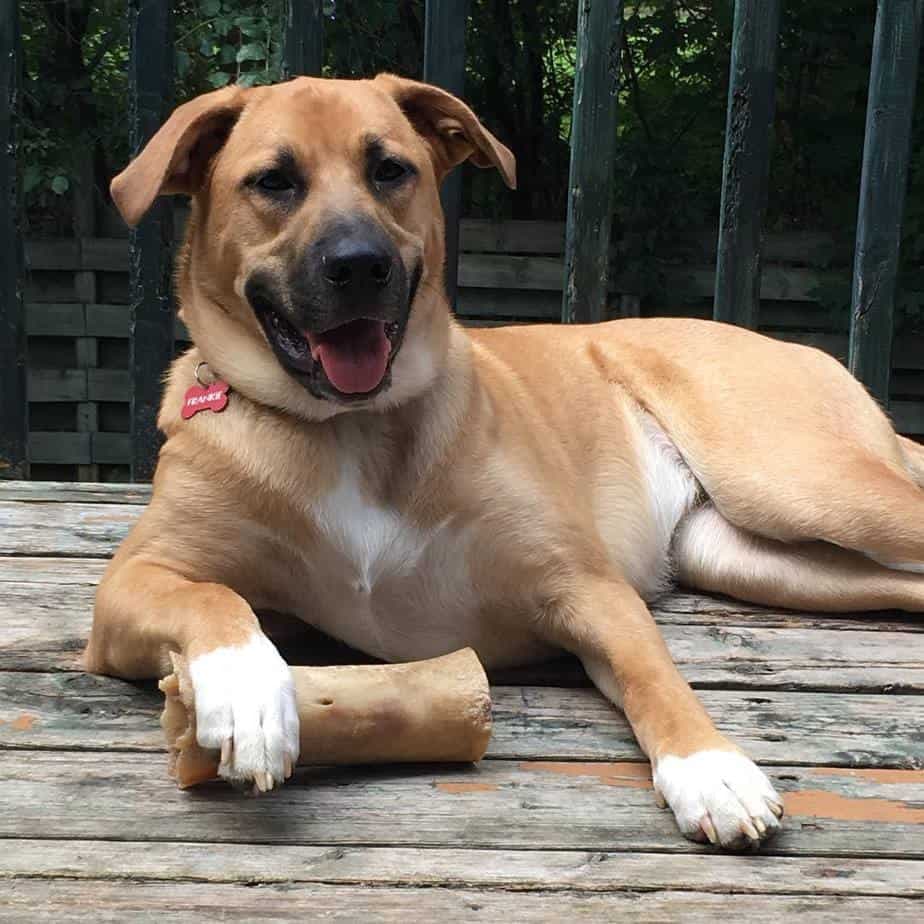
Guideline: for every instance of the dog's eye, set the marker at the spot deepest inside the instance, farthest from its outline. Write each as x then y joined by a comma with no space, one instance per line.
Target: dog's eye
390,171
274,181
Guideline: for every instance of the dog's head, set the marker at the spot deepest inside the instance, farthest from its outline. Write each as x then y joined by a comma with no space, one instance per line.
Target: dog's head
315,247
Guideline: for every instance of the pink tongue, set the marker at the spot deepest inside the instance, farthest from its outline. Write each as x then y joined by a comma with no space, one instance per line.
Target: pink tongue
354,356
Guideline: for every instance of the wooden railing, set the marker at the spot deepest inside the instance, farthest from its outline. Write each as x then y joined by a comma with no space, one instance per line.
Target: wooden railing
586,266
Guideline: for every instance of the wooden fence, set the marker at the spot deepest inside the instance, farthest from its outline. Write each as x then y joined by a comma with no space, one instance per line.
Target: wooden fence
516,277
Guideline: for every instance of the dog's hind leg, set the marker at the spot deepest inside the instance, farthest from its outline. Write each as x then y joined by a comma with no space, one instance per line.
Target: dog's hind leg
712,554
913,454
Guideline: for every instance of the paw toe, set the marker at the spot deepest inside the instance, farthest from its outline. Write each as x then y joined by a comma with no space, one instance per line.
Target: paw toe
720,796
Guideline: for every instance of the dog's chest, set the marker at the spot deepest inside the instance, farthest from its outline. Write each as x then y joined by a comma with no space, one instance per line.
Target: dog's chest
384,584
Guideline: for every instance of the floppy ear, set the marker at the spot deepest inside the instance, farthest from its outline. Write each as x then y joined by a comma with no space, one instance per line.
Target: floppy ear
176,158
450,128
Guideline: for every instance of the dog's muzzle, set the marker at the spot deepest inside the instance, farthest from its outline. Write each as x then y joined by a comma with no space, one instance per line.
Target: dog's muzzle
338,322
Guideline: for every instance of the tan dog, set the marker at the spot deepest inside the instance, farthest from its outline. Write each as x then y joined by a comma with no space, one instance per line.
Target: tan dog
411,487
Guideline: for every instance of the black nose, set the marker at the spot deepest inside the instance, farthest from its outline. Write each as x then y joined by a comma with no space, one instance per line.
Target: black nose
357,263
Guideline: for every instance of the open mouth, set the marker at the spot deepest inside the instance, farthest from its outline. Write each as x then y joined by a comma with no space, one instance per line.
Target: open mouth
353,358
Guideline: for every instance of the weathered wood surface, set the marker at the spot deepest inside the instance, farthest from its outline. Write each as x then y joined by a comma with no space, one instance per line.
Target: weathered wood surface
883,186
779,317
42,627
679,608
54,492
499,804
593,156
556,870
14,412
181,901
746,164
64,571
558,821
445,24
80,711
150,256
304,38
476,235
90,531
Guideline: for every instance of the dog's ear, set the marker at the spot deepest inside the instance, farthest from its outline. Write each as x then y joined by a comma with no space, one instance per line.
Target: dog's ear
176,158
451,129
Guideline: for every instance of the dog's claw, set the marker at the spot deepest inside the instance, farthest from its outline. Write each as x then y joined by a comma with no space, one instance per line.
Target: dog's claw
750,832
761,827
776,808
709,829
226,751
288,768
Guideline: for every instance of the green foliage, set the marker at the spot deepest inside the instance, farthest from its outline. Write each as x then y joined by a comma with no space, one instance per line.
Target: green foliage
228,41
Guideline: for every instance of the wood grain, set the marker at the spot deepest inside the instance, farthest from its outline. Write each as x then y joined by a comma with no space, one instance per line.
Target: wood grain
43,629
553,870
558,821
182,901
517,804
81,711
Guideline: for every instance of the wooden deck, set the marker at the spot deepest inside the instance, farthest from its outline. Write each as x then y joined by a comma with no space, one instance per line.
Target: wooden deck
558,823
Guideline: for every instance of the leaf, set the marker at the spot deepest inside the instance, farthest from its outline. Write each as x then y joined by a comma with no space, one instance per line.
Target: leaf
60,185
211,7
253,51
31,177
183,63
251,26
219,79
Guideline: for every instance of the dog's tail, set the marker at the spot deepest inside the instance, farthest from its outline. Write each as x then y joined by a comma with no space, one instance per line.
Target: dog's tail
914,458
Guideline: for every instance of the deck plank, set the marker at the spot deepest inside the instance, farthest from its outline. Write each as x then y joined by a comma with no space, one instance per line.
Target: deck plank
578,871
80,711
56,492
500,804
44,630
183,901
681,607
558,821
65,529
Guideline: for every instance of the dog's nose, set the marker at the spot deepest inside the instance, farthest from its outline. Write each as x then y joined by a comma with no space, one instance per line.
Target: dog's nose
357,264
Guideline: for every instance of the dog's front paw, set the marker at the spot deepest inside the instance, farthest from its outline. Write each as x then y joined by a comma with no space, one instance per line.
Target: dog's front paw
245,706
719,796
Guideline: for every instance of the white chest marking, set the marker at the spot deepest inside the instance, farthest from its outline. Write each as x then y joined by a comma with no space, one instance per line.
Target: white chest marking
375,540
387,586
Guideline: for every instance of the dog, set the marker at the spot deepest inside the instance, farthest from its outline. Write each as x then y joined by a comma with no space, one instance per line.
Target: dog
411,487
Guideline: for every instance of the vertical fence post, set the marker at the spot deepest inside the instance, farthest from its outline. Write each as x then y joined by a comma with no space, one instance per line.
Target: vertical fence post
444,65
151,327
883,183
14,410
304,38
746,165
593,156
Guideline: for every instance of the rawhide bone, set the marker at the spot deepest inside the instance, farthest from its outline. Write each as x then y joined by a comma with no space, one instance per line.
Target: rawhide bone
434,710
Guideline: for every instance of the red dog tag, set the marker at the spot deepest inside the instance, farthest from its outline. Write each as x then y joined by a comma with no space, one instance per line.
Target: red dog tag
212,397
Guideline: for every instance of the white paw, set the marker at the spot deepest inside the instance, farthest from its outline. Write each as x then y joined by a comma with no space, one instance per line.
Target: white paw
245,706
719,796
